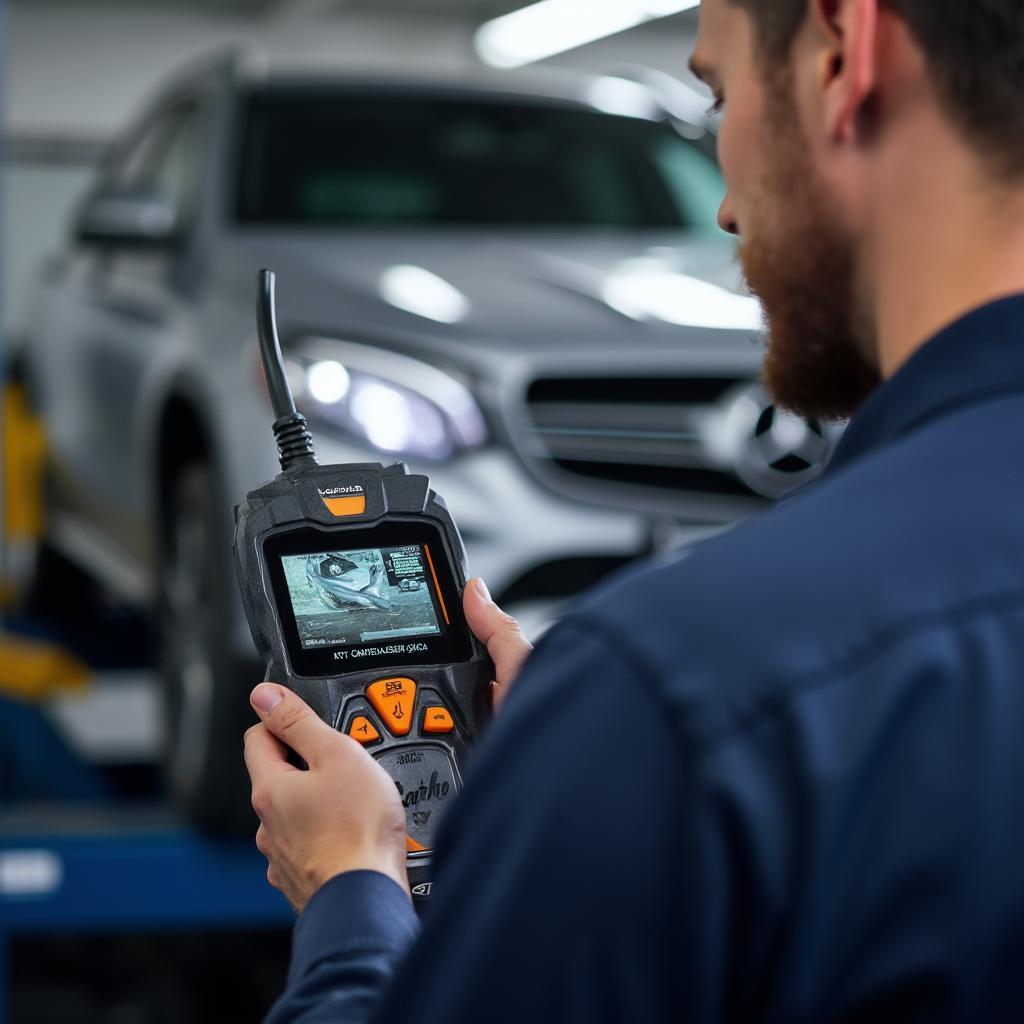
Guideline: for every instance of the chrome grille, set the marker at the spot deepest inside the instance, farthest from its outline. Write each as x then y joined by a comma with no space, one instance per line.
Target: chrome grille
645,431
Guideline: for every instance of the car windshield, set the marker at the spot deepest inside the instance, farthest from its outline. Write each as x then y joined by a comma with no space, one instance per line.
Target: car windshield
357,160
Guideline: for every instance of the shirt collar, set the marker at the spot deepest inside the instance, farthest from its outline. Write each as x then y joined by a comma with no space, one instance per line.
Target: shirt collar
980,355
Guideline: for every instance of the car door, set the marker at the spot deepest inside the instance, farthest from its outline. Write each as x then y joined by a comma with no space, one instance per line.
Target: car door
125,314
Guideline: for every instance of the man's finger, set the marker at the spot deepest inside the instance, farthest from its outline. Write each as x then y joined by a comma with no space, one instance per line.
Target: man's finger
499,632
265,755
293,722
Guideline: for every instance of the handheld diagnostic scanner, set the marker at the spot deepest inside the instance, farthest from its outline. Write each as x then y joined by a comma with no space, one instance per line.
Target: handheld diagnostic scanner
352,580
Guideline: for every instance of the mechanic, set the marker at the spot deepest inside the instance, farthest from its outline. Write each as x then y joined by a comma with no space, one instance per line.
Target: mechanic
781,778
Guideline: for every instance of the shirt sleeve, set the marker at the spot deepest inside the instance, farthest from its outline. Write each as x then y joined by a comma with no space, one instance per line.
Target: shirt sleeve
344,950
566,873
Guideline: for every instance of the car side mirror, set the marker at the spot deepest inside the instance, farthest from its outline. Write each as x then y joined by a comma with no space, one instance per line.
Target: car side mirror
131,217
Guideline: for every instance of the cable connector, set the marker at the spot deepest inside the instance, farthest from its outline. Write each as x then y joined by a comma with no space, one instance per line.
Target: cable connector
294,441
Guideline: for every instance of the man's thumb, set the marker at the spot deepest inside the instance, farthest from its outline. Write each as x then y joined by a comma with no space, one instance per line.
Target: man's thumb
498,631
292,721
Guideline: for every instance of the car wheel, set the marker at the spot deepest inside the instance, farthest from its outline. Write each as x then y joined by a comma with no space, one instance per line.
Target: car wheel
205,682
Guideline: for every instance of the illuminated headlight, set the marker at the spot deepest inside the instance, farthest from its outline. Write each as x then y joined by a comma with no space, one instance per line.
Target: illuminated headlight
395,403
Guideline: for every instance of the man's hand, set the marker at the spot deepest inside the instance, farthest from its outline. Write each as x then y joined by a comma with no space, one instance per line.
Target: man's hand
499,633
343,814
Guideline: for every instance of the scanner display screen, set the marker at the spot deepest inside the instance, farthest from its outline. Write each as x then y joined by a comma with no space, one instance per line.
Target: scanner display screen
355,597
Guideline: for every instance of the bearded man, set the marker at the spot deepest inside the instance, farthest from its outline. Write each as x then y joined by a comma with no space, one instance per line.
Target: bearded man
781,779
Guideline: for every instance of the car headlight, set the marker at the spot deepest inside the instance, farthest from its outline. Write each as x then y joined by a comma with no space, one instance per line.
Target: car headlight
397,404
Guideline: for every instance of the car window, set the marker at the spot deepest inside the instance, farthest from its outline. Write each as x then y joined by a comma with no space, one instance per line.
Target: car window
130,165
694,180
165,157
380,161
175,173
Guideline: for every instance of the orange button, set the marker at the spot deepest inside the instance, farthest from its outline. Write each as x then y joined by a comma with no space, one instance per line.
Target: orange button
437,719
362,729
393,699
346,506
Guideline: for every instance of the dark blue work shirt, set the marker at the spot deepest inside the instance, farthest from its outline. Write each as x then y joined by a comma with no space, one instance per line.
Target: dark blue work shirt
781,779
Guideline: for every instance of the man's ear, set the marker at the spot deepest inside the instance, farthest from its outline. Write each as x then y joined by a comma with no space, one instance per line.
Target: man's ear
849,31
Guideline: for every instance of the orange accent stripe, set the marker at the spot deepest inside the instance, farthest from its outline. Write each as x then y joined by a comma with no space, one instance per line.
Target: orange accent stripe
346,506
437,586
412,846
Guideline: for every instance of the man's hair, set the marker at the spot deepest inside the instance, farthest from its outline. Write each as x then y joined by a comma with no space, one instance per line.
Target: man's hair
975,52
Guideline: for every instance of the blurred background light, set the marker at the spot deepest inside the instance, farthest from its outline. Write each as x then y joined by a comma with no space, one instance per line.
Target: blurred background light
328,381
417,290
397,421
686,105
395,402
554,26
620,96
647,290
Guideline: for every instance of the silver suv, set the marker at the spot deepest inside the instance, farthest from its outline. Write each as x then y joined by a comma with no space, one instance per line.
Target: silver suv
516,288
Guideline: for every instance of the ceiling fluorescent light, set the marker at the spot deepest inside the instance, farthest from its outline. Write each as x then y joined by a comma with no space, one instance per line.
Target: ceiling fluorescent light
553,26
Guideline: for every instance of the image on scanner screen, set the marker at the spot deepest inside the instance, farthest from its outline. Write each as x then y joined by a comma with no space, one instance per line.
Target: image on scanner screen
341,598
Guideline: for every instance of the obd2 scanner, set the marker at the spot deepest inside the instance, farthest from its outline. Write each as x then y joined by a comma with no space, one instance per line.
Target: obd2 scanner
352,579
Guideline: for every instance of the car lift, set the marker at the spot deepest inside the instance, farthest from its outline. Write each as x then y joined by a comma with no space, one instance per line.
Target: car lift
91,872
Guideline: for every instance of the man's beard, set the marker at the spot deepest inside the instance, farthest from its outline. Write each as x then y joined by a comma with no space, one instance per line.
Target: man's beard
803,269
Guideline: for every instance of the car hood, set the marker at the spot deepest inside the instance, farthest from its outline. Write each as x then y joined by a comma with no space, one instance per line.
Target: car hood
526,290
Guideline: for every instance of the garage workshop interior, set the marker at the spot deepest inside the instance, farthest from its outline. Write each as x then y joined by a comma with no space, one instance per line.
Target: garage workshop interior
313,312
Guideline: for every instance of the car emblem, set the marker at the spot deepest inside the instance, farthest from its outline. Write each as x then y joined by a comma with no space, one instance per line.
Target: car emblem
768,449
